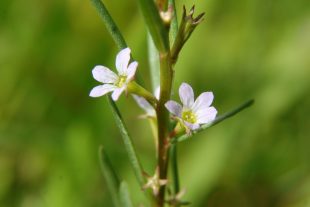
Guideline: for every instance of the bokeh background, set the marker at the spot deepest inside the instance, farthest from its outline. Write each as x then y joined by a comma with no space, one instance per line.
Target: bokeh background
50,129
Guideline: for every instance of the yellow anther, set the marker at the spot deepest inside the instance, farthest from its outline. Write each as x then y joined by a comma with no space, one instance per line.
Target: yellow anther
189,116
121,80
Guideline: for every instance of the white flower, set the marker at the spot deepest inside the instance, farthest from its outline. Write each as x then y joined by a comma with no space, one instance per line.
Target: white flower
113,82
146,106
192,113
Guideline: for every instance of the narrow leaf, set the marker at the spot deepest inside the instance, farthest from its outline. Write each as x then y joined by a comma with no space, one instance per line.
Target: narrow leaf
124,195
174,168
216,121
110,24
155,24
174,22
154,63
133,158
110,176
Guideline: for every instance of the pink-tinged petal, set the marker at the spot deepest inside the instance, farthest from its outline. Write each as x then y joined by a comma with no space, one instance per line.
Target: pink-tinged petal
104,75
117,92
206,115
203,101
131,71
101,90
122,60
146,106
191,126
186,94
174,108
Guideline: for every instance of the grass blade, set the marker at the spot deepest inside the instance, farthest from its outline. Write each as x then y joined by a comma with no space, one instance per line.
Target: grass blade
155,25
124,195
133,158
154,63
110,176
174,168
174,22
110,24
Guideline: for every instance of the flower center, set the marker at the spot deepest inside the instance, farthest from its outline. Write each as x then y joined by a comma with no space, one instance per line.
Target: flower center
189,116
121,80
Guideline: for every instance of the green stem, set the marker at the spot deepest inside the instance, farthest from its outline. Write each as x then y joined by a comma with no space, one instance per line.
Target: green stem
135,88
133,158
160,38
163,120
216,121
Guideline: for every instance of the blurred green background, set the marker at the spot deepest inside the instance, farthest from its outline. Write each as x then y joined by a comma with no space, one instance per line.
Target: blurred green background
50,129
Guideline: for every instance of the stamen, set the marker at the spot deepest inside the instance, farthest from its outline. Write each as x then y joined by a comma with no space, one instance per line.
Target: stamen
121,80
189,116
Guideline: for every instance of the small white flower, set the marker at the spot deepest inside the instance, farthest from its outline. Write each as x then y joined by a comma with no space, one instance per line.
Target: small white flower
192,113
145,105
113,82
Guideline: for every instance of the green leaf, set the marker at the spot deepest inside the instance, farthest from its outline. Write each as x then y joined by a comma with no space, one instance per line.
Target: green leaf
110,176
124,195
174,168
110,24
154,63
155,25
174,22
133,158
216,121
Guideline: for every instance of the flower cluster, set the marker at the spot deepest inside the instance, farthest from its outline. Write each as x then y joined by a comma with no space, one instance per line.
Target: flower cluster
191,114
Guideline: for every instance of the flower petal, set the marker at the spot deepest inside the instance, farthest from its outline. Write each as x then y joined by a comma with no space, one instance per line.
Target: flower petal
122,60
117,92
131,71
104,75
186,94
203,101
206,115
101,90
191,126
174,108
146,106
